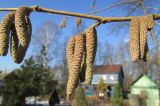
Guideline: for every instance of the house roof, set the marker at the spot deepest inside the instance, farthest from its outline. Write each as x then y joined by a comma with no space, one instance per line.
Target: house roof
141,77
104,69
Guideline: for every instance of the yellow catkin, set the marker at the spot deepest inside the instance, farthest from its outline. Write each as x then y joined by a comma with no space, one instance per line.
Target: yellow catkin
76,64
14,44
70,55
17,51
5,27
91,47
83,68
22,50
143,37
78,21
70,51
21,26
63,23
150,21
134,39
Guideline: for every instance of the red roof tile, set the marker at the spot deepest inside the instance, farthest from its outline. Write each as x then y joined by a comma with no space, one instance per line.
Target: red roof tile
102,69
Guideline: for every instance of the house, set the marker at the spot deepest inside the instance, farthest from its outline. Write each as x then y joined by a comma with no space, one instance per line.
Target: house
111,74
145,87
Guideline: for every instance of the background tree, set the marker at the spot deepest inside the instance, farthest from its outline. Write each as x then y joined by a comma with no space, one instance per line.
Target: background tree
24,82
116,97
20,83
129,8
50,44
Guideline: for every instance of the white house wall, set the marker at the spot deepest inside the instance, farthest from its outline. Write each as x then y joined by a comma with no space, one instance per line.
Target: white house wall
108,78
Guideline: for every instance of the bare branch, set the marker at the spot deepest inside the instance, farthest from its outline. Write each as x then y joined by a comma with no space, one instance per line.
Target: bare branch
158,9
152,31
157,23
93,4
98,18
114,5
120,25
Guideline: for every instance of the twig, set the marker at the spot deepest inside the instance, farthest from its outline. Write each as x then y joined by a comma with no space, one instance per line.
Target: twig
93,4
152,31
157,23
153,8
114,5
98,18
120,25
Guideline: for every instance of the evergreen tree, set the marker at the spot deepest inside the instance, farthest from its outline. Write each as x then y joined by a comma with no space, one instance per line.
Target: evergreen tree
42,61
80,97
20,83
116,98
29,80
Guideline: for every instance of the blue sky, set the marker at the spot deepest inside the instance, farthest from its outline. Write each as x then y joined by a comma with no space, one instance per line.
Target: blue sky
80,6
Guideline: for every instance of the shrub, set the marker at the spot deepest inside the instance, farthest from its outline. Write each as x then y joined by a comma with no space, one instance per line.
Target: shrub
116,98
80,97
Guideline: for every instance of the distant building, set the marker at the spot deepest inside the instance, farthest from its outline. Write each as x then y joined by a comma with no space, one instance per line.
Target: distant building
144,87
111,74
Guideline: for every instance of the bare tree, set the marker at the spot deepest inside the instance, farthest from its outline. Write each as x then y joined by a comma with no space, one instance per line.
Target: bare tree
129,8
46,40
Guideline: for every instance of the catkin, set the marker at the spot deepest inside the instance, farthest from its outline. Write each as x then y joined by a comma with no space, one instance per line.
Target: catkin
134,39
70,51
70,55
76,64
143,37
5,27
150,21
22,50
91,47
78,21
83,68
14,44
17,51
20,25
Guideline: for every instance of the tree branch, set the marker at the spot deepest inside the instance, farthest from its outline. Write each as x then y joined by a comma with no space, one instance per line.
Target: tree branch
114,5
152,31
98,18
120,25
153,8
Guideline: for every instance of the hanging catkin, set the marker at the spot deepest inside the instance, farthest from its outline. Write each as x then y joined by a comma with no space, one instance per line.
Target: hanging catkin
83,67
143,37
134,39
76,64
22,50
70,51
14,44
150,21
21,26
91,47
5,27
17,51
70,56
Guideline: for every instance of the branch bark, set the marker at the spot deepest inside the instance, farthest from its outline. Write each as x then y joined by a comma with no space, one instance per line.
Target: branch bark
98,18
